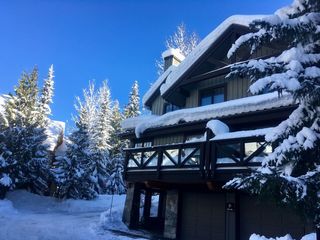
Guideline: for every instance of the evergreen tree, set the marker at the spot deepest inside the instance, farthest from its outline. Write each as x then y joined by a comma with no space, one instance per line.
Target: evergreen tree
47,95
84,173
103,131
25,136
116,144
181,40
115,184
291,174
7,163
133,107
74,174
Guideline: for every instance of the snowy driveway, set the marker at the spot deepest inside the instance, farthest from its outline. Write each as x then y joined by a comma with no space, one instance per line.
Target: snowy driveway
24,216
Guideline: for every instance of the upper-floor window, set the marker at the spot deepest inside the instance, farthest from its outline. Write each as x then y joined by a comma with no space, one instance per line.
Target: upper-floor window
212,95
168,107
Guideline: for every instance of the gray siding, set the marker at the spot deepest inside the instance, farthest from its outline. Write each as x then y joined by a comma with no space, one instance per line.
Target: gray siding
163,140
236,88
157,106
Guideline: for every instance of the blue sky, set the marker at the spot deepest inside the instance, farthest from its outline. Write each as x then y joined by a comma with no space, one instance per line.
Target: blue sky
98,40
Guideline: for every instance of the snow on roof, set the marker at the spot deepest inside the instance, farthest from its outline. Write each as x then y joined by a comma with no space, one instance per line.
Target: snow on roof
233,107
131,123
157,84
173,52
55,131
242,134
217,127
204,45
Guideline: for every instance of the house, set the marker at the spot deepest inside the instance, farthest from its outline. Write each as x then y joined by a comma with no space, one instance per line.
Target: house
204,130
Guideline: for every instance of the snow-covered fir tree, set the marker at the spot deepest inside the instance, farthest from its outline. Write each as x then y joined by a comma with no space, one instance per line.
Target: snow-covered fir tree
85,170
47,95
116,144
181,40
115,184
103,130
75,176
24,127
132,109
291,174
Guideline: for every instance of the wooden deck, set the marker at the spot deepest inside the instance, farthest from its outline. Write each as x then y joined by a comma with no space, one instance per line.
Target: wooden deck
196,161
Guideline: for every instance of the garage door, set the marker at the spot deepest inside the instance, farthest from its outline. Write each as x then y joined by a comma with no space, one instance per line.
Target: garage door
267,219
203,216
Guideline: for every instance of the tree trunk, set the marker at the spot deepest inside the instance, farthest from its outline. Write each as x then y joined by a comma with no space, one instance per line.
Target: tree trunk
318,233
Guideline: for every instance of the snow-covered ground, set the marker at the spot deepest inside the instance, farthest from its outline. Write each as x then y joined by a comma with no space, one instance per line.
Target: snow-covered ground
27,216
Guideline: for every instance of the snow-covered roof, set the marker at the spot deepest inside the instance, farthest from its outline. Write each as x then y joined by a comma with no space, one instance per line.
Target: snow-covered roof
242,134
204,45
228,108
154,87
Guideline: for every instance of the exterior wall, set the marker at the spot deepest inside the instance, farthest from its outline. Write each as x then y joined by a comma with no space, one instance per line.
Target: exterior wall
157,106
168,139
236,88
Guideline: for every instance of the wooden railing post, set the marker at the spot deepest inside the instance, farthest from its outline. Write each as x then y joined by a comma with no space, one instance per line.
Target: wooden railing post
126,162
208,152
202,159
159,163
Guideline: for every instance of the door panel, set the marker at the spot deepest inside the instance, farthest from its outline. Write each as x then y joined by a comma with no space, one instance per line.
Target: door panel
267,219
203,216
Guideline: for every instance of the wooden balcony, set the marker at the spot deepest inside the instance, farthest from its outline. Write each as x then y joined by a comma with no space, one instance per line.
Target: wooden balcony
195,162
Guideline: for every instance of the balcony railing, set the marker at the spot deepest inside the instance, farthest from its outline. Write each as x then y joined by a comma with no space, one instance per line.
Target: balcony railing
207,158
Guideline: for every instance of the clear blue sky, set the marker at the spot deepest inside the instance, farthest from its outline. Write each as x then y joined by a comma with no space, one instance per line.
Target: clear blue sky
95,39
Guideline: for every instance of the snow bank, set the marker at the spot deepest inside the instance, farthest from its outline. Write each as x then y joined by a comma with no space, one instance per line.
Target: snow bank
154,87
204,45
217,127
311,236
6,207
233,107
26,201
243,134
47,218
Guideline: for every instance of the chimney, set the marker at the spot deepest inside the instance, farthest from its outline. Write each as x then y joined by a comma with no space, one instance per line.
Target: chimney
172,56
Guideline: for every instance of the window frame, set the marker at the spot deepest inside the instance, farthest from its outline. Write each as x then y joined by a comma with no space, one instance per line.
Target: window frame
143,142
205,91
165,107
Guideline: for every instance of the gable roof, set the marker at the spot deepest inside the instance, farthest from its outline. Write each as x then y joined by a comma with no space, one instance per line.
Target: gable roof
174,74
156,85
204,45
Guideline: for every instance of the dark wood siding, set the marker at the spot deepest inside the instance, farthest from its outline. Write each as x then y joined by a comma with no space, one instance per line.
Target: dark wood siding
266,219
170,139
203,216
157,105
236,88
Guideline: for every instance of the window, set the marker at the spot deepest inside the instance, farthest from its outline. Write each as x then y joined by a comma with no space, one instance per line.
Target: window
211,96
143,144
168,107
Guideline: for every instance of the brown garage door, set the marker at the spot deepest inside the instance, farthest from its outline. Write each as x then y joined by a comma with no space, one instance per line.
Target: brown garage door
203,216
267,219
